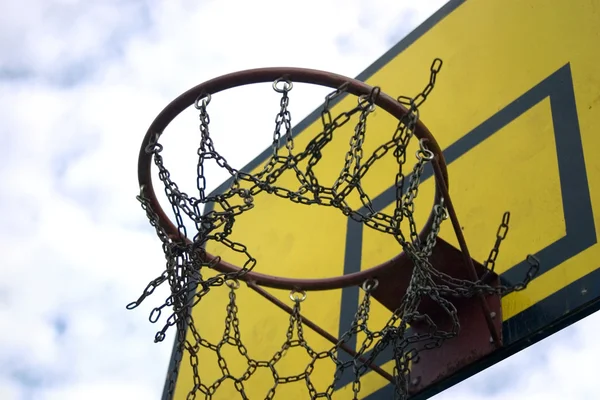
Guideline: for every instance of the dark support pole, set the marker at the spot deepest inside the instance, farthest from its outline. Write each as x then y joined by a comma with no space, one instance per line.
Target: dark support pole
464,249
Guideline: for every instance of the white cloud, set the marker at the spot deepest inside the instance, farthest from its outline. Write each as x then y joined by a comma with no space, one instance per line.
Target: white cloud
563,365
61,42
80,82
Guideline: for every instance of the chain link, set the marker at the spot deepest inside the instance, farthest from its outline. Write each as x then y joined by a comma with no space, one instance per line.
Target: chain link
186,259
500,236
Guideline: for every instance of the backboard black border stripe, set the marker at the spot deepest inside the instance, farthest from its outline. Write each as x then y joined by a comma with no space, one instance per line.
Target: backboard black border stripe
567,305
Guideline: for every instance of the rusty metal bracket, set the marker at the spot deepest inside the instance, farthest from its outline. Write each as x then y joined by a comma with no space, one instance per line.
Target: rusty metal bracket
474,339
480,318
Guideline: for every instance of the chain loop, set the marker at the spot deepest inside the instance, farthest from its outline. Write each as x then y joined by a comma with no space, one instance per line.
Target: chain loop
298,296
286,87
202,101
370,285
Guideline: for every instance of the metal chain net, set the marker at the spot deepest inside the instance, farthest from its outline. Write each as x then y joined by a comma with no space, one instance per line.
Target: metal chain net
186,261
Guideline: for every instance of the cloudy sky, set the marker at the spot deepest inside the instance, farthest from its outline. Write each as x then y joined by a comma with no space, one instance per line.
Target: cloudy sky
79,83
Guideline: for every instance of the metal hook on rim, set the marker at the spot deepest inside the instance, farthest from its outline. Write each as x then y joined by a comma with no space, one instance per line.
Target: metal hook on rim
370,284
297,296
362,99
441,207
374,94
153,145
424,153
287,85
233,284
204,99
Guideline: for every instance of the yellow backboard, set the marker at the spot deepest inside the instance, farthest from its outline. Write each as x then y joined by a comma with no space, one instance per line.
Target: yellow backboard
516,110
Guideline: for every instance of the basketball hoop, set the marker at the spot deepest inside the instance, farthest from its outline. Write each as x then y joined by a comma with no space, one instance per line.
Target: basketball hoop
203,92
432,289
